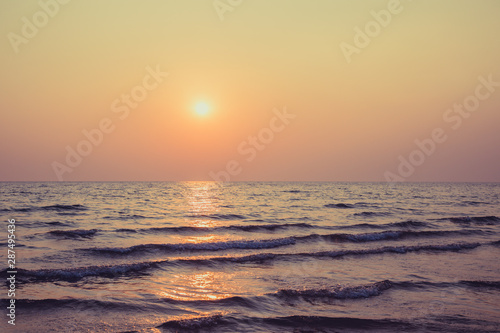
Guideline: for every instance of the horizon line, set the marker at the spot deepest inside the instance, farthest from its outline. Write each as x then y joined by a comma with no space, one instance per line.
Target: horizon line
248,181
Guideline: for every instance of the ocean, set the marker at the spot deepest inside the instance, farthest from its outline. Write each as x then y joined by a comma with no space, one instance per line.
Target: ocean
251,257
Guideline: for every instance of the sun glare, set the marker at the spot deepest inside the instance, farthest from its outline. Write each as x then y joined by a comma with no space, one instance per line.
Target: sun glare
202,108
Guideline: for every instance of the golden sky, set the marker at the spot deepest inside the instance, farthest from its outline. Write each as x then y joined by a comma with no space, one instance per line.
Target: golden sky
322,90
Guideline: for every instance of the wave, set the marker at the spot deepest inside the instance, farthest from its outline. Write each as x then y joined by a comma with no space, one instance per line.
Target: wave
194,323
59,208
71,304
114,271
363,226
38,224
268,227
364,291
368,237
126,230
410,224
294,191
472,203
15,210
476,284
339,205
57,223
218,216
369,214
388,249
230,323
335,323
79,233
215,246
277,242
76,274
482,284
64,207
401,249
337,292
126,217
274,227
403,224
349,206
387,235
265,257
246,228
477,220
273,324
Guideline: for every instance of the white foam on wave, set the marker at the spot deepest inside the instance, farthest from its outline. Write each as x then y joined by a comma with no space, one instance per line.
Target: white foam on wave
72,274
339,292
215,246
369,237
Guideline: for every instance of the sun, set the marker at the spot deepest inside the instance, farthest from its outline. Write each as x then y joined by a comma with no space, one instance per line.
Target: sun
202,108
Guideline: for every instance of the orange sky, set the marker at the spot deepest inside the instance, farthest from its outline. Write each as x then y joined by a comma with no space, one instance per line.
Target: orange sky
360,82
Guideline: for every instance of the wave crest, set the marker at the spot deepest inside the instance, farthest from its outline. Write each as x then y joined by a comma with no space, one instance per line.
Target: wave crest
218,216
339,205
477,220
194,323
215,246
364,291
76,274
79,233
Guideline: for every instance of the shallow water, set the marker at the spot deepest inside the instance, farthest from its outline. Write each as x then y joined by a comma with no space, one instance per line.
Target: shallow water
254,257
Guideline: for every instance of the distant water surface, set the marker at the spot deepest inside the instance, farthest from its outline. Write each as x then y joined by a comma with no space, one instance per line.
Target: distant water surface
253,257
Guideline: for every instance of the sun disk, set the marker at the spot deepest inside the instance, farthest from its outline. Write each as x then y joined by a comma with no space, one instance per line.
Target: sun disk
202,108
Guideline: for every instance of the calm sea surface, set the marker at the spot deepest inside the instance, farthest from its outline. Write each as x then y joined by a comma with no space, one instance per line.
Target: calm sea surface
253,257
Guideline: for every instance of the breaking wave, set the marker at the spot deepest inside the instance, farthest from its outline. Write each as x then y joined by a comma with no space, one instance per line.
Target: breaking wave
278,242
215,246
364,291
113,271
218,216
477,220
339,205
58,208
74,233
247,228
370,214
75,274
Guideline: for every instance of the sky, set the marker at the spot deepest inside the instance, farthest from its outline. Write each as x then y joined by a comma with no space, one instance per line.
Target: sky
290,90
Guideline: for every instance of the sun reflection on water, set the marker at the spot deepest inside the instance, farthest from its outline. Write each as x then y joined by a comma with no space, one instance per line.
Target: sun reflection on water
210,238
203,202
203,286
